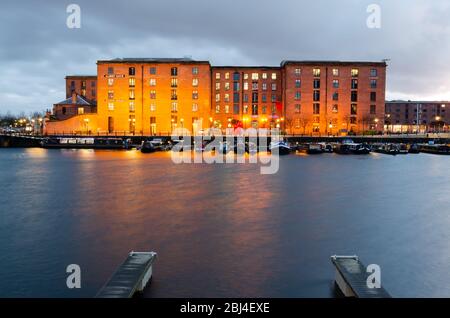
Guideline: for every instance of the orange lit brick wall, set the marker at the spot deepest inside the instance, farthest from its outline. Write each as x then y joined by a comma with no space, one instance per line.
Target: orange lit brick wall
245,82
335,116
154,111
80,124
83,85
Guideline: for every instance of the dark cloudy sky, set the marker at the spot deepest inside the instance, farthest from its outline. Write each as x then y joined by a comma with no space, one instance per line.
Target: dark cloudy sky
37,49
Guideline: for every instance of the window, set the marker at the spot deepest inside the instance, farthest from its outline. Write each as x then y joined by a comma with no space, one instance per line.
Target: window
335,108
227,75
373,83
83,92
245,76
110,124
93,92
153,125
298,83
131,82
297,108
264,86
255,76
194,70
173,82
264,76
236,86
245,86
92,84
227,86
297,72
274,76
353,109
174,71
373,96
110,70
236,76
335,72
217,108
273,98
335,96
110,106
264,98
254,97
236,109
83,84
173,94
316,83
217,76
373,109
298,96
131,106
316,72
152,70
316,108
316,96
355,72
217,86
174,107
152,107
255,86
264,109
354,84
352,120
131,71
354,96
245,110
80,110
217,97
245,97
152,94
274,86
152,82
373,72
110,81
194,94
110,94
254,109
72,84
236,98
336,83
194,107
195,82
227,98
227,109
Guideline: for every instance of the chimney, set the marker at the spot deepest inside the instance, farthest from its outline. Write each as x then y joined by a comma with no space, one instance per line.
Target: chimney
74,97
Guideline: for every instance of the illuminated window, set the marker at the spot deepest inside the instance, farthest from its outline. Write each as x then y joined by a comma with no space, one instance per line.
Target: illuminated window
152,82
217,86
264,86
298,108
173,94
245,109
83,84
255,76
217,97
131,94
152,107
335,108
110,81
297,72
245,86
174,107
335,72
131,82
110,94
355,72
173,82
194,94
274,76
227,75
153,94
264,76
83,92
194,107
227,98
131,106
80,110
217,76
131,71
353,109
227,86
227,109
194,70
245,76
110,106
217,108
274,86
316,72
195,82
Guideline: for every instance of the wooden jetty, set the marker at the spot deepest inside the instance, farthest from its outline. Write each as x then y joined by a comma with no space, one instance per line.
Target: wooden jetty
351,278
131,277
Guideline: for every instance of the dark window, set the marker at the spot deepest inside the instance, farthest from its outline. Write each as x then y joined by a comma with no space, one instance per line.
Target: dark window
245,97
298,83
236,97
174,71
64,110
336,83
316,108
316,96
373,72
373,96
110,124
373,109
110,70
354,96
152,70
236,76
335,96
254,97
354,109
254,109
236,109
236,86
373,83
264,98
354,84
316,83
132,71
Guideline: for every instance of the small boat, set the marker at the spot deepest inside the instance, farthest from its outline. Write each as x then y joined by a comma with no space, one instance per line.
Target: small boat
326,147
402,149
310,149
436,149
387,149
147,147
280,147
349,147
413,148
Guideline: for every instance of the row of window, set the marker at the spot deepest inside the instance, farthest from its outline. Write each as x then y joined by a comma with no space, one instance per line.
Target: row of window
354,83
245,109
152,82
173,94
353,96
354,72
335,109
237,76
245,97
131,105
255,86
83,84
152,71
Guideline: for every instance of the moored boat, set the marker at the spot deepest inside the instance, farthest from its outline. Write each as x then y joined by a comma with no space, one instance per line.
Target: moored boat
436,149
280,147
84,143
310,148
349,147
387,149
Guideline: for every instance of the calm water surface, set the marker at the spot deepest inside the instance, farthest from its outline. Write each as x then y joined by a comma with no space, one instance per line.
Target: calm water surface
222,230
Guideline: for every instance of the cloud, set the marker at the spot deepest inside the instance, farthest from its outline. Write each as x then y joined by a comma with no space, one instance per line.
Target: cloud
37,49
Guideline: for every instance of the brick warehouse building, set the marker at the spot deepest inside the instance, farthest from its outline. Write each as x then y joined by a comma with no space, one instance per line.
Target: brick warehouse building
154,96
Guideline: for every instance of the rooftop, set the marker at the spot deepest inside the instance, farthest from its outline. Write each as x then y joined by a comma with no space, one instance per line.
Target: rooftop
79,101
333,63
185,60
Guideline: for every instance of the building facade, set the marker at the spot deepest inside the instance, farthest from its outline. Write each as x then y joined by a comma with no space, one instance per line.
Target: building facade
154,96
417,116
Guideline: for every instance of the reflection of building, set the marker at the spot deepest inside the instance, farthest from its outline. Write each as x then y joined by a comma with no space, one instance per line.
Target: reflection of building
154,96
413,116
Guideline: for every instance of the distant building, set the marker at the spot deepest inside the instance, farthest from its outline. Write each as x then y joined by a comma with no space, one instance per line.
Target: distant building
417,116
153,96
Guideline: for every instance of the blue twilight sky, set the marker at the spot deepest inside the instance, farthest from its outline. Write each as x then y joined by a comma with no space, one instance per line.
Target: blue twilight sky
37,49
